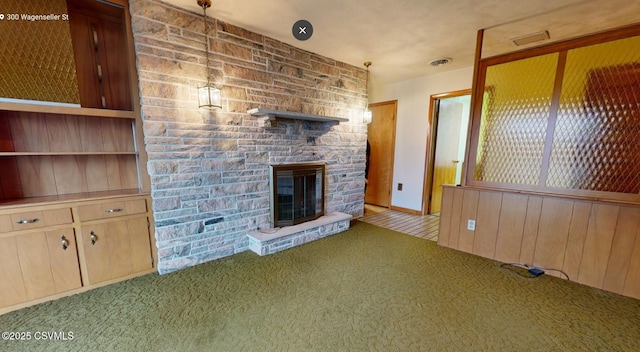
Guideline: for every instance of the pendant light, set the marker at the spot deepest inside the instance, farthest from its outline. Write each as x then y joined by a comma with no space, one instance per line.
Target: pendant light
208,96
367,115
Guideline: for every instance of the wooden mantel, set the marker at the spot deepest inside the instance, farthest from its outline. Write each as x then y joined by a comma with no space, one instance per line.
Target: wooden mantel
273,114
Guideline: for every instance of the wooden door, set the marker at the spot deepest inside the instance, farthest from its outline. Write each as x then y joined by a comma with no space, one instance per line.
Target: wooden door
37,265
382,136
449,121
116,249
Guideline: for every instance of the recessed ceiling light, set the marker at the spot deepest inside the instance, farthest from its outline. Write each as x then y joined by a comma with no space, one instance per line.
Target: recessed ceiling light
440,61
531,38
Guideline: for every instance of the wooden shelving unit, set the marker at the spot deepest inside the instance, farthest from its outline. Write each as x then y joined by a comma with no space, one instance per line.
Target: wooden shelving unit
75,210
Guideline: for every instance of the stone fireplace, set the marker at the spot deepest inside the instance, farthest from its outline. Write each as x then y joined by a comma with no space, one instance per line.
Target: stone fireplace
296,193
297,209
209,169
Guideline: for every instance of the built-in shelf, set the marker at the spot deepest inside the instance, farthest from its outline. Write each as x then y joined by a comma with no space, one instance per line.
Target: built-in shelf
272,114
66,198
63,153
66,110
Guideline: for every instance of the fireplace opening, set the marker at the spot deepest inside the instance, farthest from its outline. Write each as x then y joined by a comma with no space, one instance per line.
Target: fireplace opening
297,193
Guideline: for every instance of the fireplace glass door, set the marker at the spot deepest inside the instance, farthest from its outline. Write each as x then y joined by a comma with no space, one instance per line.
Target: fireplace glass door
296,193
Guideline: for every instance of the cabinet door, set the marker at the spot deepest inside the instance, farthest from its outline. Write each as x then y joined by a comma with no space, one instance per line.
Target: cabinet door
116,248
37,265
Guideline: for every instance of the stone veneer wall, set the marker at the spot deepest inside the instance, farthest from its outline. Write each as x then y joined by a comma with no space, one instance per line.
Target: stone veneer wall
209,169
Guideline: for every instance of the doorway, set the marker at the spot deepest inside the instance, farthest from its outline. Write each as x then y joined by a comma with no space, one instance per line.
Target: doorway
381,135
449,121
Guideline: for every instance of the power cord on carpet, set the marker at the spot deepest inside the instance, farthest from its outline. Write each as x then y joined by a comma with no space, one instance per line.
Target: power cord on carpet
533,271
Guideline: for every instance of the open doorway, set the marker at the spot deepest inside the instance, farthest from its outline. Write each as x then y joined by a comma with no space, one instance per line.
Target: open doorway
381,135
449,121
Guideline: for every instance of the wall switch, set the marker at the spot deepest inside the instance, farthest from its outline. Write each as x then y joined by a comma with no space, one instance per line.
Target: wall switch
471,225
399,186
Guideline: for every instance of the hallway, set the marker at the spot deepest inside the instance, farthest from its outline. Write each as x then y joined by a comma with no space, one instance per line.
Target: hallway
423,226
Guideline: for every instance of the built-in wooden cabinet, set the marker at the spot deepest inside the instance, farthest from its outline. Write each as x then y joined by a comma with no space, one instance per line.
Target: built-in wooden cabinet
74,190
37,264
115,240
61,248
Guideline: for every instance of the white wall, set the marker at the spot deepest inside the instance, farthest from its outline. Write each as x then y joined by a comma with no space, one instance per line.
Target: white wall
412,126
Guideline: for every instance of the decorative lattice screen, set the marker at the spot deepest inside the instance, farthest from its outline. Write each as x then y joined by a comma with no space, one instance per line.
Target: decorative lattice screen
514,120
567,120
596,140
36,56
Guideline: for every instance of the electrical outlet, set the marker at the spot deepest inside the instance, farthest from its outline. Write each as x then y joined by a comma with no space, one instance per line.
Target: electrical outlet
471,225
399,186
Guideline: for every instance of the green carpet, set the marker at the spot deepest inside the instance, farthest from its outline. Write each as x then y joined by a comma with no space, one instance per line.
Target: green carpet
366,289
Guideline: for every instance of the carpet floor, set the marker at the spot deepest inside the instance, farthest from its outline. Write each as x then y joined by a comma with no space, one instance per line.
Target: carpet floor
366,289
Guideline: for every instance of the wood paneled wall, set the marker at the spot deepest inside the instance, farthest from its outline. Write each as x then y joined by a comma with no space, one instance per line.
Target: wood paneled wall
594,243
43,155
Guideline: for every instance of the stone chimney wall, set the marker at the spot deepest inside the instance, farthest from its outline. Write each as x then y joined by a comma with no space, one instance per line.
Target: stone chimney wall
209,168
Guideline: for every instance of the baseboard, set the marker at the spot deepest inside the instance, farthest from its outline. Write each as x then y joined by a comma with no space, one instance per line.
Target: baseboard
406,210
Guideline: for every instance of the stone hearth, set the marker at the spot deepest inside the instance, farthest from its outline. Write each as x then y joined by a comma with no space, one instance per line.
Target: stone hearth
276,240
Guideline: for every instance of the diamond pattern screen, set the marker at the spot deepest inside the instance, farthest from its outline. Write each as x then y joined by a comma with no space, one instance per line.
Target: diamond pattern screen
581,136
596,145
515,114
36,56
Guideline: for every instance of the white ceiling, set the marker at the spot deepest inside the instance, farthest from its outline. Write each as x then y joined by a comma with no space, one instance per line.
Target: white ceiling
401,37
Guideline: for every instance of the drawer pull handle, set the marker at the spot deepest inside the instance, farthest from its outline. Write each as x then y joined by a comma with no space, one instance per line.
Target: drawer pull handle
116,210
94,238
65,243
24,221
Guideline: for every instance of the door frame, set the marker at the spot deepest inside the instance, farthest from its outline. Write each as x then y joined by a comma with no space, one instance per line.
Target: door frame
431,144
393,143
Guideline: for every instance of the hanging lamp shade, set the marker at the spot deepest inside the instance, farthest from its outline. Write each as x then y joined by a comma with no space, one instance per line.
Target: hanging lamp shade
208,96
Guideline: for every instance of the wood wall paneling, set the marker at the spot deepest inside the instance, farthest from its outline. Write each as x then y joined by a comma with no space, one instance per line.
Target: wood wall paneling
70,174
622,249
29,131
469,211
37,176
96,173
594,243
632,282
555,220
531,226
446,208
63,134
90,130
575,241
10,187
597,244
511,229
456,214
487,222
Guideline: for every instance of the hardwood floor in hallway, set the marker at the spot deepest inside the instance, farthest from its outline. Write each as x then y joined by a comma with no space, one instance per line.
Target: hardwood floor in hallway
423,226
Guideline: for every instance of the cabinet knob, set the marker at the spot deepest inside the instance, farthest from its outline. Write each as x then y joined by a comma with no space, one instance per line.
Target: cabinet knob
65,243
25,221
116,210
93,237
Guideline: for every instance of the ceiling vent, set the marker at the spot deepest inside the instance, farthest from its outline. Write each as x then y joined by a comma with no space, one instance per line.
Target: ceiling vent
530,38
440,62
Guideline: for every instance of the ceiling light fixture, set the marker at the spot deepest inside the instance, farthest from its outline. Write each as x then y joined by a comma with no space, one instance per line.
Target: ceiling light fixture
208,96
367,115
440,61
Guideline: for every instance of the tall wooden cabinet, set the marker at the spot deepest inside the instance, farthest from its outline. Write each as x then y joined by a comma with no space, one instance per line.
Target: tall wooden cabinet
75,206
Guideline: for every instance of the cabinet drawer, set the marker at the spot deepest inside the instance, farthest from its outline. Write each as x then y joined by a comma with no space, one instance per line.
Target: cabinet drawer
37,219
112,209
